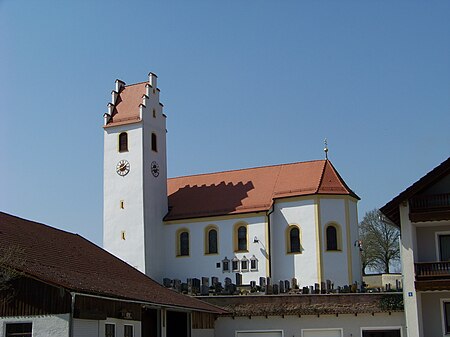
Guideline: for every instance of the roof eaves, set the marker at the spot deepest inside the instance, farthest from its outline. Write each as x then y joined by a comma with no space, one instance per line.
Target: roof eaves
390,209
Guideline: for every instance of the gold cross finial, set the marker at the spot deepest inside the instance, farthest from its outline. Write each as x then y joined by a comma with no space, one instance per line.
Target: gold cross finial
326,148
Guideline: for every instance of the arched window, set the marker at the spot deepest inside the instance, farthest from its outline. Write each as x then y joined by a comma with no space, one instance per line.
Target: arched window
332,237
294,240
123,142
154,142
211,237
242,238
183,243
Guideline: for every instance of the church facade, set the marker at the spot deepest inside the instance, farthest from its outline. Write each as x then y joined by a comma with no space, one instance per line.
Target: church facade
287,221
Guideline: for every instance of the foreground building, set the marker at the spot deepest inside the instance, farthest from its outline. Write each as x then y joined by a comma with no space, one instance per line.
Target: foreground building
422,212
58,284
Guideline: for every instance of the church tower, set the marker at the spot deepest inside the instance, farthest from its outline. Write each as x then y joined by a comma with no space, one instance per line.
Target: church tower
135,175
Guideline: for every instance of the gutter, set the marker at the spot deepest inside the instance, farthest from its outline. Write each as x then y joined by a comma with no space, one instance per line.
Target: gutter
143,303
271,210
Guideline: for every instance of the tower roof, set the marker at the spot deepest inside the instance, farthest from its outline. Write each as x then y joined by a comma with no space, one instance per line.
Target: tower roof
250,190
126,106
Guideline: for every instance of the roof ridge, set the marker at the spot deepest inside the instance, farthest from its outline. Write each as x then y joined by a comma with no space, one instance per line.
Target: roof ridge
245,169
129,85
321,176
40,223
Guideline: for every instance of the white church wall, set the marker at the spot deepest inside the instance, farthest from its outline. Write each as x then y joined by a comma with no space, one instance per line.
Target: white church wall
285,265
293,326
42,326
336,264
354,238
124,227
199,264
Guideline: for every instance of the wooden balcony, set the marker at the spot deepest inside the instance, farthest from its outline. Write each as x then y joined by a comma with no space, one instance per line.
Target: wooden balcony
433,207
432,275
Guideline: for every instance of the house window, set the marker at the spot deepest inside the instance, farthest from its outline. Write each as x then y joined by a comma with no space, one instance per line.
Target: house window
183,242
235,264
211,246
332,237
225,265
244,264
446,310
240,237
18,329
110,330
128,331
123,142
293,238
154,142
444,247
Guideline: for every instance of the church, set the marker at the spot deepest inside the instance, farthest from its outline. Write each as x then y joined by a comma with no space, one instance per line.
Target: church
296,220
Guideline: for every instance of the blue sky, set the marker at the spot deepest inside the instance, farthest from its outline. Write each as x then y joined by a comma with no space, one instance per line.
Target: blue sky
244,84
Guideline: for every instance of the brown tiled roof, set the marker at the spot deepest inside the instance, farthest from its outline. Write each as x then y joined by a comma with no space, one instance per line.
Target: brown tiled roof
391,209
277,305
126,108
68,260
250,190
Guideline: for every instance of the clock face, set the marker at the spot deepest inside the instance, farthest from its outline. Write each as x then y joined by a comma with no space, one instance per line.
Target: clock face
123,167
155,168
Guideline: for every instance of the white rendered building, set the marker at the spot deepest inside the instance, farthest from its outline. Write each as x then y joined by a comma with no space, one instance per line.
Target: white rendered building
286,221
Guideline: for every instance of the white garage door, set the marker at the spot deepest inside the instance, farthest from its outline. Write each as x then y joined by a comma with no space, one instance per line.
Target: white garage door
322,333
258,334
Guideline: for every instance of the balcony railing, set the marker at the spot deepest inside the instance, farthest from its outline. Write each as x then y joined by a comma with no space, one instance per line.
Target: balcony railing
433,202
432,270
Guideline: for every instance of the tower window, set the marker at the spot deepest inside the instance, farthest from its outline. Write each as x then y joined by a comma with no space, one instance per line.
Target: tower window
123,142
154,142
332,238
154,113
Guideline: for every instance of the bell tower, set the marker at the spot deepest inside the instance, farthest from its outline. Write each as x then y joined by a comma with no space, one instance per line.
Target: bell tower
135,175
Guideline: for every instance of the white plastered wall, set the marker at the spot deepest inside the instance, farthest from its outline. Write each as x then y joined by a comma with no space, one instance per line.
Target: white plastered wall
42,326
128,189
198,264
96,328
292,326
335,264
286,265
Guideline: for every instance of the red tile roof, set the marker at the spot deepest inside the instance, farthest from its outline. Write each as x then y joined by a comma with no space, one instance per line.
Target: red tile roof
126,108
68,260
250,190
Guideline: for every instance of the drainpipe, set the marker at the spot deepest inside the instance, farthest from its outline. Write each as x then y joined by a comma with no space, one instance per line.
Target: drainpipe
269,240
72,308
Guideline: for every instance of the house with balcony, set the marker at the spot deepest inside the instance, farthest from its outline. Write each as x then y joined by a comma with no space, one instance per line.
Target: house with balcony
422,212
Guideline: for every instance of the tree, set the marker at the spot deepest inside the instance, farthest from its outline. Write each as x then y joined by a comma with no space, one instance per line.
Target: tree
380,242
10,260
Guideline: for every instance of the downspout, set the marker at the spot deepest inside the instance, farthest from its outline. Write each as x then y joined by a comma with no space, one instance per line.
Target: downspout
269,240
72,309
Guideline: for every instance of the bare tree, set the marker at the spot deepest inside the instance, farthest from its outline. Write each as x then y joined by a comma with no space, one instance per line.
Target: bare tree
10,261
379,241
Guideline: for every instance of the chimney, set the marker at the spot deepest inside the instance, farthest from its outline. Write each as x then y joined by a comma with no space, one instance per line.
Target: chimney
152,80
119,85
